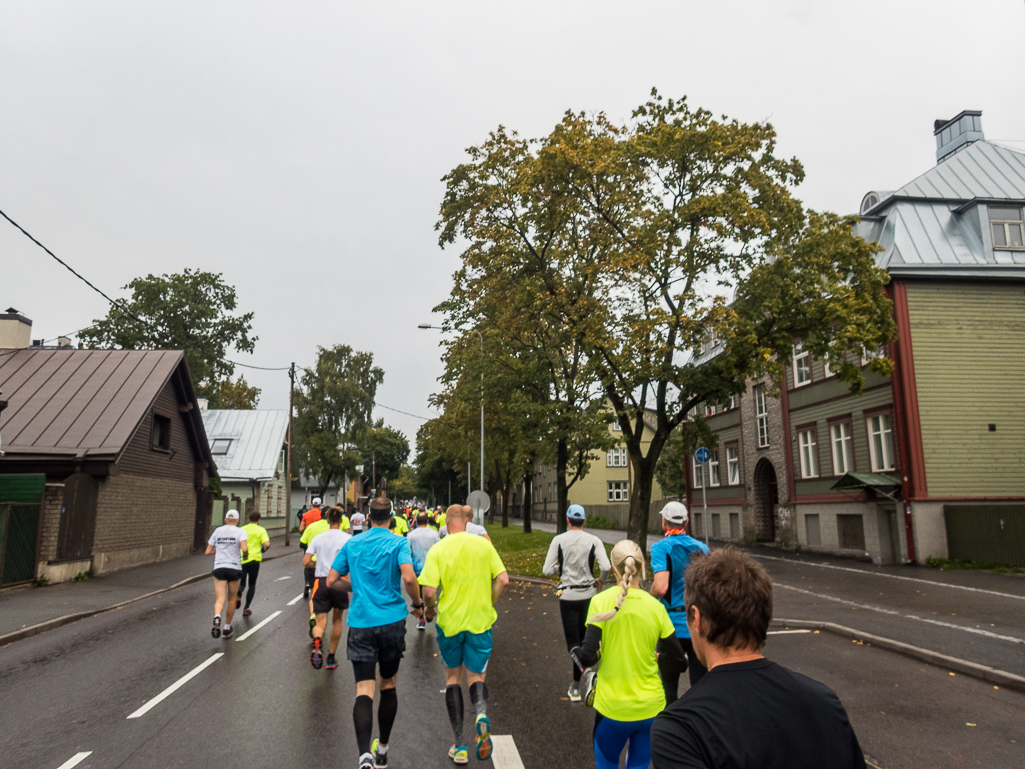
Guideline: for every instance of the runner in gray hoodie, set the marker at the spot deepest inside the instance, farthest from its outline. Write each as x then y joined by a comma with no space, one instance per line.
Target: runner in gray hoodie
573,555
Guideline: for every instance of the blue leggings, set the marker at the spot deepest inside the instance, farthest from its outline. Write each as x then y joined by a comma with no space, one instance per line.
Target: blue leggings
610,737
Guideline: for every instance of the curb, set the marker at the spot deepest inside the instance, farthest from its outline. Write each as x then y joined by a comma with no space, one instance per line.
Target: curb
67,619
974,669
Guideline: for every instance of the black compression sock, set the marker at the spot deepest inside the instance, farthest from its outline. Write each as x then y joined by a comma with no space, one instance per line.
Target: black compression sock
363,720
479,697
577,673
454,703
386,711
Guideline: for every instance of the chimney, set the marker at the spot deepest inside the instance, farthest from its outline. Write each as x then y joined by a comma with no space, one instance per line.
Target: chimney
63,342
204,404
15,330
957,133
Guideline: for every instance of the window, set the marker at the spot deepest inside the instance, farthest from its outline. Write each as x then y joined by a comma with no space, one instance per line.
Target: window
840,441
762,414
802,365
617,491
826,370
616,427
809,453
160,437
220,446
732,466
699,474
1006,224
616,457
733,401
713,467
867,355
880,443
709,409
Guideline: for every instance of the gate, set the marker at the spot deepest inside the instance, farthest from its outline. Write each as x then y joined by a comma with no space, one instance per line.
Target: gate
986,533
20,500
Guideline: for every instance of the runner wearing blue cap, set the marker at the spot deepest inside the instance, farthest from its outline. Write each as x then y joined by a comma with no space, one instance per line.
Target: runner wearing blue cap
573,555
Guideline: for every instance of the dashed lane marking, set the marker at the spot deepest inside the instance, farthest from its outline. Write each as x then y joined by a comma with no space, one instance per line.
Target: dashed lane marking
295,600
891,612
252,630
76,759
287,576
786,632
504,754
175,687
891,576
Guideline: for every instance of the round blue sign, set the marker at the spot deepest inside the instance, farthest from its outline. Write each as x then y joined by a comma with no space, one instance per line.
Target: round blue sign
702,455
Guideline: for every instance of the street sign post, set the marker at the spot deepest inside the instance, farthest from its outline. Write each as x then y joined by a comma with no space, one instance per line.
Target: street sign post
702,455
481,503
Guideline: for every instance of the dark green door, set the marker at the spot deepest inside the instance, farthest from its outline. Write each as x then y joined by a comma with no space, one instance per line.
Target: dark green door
986,533
20,498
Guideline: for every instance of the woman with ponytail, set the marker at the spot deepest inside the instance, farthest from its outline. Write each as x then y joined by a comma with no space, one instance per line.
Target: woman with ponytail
624,626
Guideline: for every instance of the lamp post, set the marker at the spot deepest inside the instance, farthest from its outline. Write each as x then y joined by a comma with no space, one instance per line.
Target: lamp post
481,337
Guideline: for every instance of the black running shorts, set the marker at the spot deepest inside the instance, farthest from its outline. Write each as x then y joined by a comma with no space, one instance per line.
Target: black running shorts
384,643
228,575
325,599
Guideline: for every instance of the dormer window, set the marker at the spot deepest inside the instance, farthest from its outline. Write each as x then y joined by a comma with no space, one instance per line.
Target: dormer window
1006,223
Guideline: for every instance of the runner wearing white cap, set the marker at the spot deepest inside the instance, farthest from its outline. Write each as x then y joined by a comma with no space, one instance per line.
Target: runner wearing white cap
670,558
227,544
573,555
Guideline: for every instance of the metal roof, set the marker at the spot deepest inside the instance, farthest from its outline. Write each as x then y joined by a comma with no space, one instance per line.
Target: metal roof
78,403
255,439
933,226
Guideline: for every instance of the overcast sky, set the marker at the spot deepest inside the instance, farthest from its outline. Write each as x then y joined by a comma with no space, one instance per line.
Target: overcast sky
298,148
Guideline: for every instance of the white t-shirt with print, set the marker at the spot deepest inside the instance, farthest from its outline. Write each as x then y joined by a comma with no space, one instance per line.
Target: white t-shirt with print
228,553
325,547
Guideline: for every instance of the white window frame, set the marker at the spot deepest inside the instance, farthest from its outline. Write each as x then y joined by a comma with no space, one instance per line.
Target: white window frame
616,457
699,472
618,491
801,363
841,447
733,402
826,370
808,447
997,220
709,409
762,416
713,467
880,431
732,466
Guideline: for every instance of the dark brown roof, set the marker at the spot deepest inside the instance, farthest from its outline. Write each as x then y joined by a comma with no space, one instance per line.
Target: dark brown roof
80,403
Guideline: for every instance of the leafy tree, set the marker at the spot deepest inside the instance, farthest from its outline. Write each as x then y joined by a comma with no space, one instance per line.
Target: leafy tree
333,401
404,484
190,311
689,232
385,448
435,471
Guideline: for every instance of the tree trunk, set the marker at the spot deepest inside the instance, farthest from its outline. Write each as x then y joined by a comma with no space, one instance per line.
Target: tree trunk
507,493
562,493
640,500
528,500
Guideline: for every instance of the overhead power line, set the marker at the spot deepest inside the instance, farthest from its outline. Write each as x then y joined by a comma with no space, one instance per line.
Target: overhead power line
415,416
114,302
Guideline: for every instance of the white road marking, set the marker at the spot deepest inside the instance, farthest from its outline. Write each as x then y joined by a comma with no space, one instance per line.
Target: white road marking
890,576
287,576
881,610
252,630
295,600
504,754
75,760
175,686
786,632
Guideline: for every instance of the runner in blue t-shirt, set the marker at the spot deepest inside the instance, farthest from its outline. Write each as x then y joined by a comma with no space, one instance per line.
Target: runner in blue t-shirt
374,567
670,558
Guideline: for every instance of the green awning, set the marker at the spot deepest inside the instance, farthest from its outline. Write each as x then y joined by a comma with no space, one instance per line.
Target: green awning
865,481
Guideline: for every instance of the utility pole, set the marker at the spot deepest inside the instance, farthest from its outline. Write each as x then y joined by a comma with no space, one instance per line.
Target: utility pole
373,472
288,455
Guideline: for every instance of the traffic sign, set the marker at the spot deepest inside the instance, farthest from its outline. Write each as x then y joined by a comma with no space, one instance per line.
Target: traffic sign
702,455
481,503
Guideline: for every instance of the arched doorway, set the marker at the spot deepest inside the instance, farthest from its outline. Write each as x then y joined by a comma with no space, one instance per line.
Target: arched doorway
766,498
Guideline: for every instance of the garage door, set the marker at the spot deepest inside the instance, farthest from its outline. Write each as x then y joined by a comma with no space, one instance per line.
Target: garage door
986,533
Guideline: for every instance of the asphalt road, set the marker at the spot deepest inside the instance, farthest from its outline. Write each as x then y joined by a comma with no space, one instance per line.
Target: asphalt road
261,704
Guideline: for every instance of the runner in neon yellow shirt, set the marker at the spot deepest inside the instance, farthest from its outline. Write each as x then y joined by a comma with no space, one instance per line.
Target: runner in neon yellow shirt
258,543
401,527
471,577
626,623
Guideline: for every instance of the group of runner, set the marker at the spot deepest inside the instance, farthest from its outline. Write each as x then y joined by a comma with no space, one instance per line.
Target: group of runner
703,612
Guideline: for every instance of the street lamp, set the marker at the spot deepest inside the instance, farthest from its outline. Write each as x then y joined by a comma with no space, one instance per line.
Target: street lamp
481,337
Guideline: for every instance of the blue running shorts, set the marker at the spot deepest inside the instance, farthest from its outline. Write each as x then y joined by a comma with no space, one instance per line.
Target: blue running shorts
466,648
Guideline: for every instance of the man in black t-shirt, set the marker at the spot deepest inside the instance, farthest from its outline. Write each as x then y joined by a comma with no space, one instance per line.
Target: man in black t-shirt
746,712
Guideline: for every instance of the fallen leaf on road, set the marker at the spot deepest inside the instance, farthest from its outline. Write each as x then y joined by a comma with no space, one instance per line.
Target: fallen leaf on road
953,674
968,724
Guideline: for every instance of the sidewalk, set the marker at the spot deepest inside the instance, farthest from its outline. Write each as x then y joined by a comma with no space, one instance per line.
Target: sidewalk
25,611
